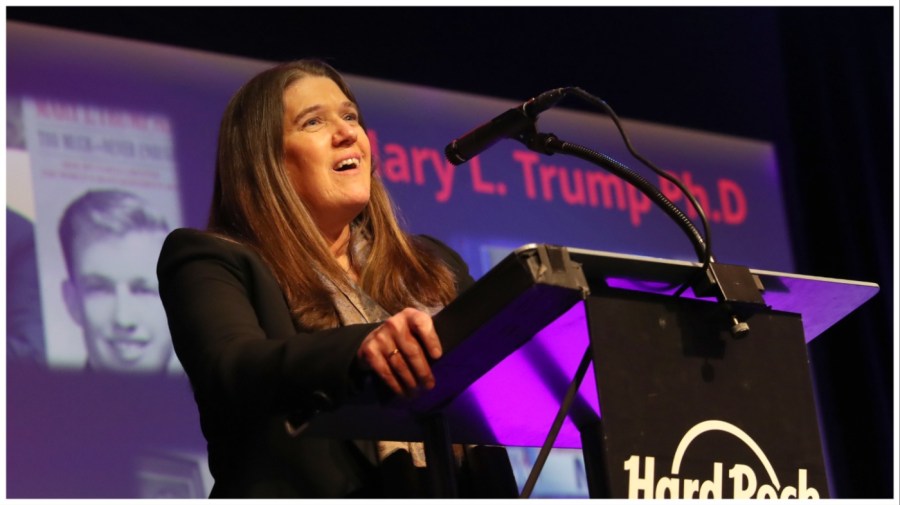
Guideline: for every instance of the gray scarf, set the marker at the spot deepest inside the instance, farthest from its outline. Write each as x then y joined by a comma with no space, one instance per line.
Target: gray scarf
356,307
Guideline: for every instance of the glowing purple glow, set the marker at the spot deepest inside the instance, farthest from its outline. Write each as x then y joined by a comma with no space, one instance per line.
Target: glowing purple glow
519,398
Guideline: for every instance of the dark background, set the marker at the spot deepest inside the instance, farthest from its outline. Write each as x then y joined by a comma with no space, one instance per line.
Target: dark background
815,81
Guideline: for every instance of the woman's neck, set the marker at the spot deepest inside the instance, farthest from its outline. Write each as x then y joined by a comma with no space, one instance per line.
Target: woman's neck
340,248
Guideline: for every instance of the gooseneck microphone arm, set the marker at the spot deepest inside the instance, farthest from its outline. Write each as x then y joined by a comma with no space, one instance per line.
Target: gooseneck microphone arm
547,143
728,283
707,257
519,123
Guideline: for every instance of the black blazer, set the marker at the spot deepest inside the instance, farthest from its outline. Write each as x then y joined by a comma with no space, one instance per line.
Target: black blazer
250,369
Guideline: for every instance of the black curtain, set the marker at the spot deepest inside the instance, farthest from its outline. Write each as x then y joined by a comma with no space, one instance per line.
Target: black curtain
839,74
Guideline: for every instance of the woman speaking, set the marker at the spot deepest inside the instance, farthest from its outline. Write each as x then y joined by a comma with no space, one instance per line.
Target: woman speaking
302,285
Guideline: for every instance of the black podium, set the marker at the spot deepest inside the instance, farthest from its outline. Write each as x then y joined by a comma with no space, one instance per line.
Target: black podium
676,406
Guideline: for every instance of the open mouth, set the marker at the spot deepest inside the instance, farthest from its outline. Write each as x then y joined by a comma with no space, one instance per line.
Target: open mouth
128,349
348,164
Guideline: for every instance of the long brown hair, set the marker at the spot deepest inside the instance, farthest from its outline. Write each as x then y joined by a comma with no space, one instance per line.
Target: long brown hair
254,203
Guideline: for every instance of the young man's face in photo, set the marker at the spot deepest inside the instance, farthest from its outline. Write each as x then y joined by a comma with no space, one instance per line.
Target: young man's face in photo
114,295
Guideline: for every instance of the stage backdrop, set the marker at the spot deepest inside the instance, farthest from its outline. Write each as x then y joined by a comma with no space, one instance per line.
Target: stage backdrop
90,114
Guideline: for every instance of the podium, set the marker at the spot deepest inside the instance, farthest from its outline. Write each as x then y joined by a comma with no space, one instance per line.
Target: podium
674,405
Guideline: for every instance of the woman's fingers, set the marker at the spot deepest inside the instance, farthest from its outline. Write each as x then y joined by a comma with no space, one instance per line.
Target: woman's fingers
422,327
399,365
370,354
395,351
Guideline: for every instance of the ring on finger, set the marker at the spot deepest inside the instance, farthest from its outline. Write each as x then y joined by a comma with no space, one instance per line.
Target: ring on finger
392,353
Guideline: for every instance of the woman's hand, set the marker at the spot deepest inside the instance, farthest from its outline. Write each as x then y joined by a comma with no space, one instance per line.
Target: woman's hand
396,351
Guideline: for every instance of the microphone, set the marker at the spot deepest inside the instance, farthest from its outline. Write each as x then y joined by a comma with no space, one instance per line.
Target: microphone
506,125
